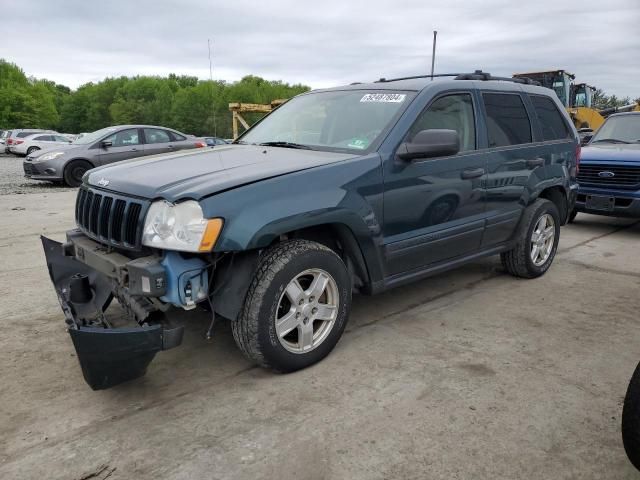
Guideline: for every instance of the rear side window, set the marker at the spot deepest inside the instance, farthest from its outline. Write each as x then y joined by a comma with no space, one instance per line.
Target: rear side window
24,134
43,138
155,135
553,125
176,137
507,120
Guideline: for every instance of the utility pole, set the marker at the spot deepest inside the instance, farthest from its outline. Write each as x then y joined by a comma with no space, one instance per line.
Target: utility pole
213,107
433,53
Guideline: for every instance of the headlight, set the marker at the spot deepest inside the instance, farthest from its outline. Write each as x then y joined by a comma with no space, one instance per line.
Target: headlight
180,227
48,156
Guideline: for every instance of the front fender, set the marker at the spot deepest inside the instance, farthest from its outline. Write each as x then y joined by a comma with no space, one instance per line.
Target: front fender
348,193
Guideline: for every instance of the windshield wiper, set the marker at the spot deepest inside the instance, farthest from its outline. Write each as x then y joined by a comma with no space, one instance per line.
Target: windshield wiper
285,145
610,140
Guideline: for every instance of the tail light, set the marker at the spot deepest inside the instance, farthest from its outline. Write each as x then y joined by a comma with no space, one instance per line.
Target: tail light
18,142
9,141
578,153
200,144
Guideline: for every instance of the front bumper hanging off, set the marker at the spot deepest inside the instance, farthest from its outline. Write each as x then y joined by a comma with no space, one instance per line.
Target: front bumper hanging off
107,355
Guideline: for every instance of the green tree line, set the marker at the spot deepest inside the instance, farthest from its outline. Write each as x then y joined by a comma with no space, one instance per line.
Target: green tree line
178,101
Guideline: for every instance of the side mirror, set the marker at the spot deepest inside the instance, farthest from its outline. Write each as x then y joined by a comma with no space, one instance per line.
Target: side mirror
430,143
106,144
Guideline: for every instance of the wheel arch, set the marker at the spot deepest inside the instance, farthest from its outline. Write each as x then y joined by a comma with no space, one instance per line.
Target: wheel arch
557,194
231,282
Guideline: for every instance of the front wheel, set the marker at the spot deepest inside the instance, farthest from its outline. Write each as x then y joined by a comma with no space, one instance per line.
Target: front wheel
631,419
296,308
74,171
536,241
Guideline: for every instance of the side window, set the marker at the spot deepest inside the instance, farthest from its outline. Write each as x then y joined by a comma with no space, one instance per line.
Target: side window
177,137
452,112
59,138
155,135
124,138
43,138
553,125
507,120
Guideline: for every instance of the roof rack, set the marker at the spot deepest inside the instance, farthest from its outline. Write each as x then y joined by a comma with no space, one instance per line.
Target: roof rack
477,75
384,80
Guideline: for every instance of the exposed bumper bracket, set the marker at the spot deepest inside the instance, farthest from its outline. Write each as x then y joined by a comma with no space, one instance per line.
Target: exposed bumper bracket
107,356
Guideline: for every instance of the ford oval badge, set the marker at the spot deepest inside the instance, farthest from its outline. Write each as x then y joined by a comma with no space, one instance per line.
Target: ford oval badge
606,174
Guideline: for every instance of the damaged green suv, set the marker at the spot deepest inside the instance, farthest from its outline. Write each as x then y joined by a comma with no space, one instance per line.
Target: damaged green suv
353,189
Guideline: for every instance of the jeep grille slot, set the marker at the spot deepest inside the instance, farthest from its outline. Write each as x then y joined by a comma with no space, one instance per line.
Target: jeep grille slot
110,219
609,175
131,225
116,221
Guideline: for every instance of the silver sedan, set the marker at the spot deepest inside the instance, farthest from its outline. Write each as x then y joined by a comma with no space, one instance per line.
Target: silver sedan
68,163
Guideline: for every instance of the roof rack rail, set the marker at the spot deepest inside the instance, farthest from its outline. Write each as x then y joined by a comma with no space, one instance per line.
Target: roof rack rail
485,76
384,80
477,75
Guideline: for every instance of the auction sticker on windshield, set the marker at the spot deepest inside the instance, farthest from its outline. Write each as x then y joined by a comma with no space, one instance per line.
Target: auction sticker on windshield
384,97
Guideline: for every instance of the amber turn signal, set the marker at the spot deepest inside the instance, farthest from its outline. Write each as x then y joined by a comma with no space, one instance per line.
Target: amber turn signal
211,233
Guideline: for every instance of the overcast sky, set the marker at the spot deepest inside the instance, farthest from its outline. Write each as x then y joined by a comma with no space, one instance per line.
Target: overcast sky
322,43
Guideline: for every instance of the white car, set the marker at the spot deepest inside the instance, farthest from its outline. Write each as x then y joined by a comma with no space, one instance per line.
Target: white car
38,141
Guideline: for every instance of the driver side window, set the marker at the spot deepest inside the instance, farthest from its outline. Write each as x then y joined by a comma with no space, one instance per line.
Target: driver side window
452,112
124,138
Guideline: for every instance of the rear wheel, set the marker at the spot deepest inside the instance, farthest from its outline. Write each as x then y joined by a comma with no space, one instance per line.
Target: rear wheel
30,150
631,419
536,241
74,171
296,308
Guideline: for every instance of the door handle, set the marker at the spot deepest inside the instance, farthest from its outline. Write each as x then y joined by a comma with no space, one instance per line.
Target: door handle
474,173
170,146
134,149
535,162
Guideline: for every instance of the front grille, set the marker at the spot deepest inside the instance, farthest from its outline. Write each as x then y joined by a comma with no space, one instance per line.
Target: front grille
627,177
110,219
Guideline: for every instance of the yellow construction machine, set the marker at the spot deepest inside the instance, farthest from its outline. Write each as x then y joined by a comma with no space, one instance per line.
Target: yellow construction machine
576,97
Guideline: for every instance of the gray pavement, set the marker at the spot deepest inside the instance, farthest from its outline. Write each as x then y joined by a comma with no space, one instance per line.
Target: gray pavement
471,374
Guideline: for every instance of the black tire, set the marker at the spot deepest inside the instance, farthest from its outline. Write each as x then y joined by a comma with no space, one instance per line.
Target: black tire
572,216
631,419
518,261
254,330
30,150
74,170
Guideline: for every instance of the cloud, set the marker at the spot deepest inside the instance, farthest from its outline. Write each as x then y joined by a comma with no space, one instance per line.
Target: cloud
324,43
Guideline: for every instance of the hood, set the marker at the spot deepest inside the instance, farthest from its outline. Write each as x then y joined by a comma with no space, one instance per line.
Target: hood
202,172
603,152
54,148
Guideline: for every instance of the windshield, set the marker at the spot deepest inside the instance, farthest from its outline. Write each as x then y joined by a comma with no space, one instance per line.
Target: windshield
622,129
351,120
88,138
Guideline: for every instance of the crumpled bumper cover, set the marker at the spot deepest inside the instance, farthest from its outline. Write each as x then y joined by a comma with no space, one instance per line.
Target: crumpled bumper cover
107,356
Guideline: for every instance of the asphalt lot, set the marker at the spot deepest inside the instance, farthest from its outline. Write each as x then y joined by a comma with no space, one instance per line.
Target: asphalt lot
471,374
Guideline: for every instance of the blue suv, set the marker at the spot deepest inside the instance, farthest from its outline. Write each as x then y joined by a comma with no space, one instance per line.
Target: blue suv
360,188
609,171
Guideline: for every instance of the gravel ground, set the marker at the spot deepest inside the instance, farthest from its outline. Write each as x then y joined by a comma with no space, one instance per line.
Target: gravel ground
12,179
472,374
